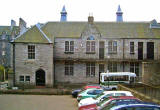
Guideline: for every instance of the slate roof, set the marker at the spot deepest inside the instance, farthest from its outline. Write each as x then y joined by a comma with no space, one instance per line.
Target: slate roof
64,29
33,35
8,29
74,30
127,30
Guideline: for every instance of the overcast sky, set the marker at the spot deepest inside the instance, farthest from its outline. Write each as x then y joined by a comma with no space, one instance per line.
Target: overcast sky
34,11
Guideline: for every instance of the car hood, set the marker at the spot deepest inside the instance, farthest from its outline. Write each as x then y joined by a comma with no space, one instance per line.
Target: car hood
87,101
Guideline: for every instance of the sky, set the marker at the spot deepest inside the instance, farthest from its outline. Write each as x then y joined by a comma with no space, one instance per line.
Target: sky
42,11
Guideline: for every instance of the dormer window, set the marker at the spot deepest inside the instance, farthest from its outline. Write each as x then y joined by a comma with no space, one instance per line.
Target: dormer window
154,24
90,45
90,38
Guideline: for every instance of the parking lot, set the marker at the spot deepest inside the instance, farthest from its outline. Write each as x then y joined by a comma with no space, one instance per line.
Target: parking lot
37,102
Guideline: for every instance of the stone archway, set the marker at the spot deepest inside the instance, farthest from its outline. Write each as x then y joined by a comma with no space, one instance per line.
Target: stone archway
40,77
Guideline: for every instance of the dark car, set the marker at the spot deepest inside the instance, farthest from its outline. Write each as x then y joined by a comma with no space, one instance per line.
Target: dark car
75,92
140,106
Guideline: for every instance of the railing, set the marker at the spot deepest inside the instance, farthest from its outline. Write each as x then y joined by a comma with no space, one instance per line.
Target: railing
143,92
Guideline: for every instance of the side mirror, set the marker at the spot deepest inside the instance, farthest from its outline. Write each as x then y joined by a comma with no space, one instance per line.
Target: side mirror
101,99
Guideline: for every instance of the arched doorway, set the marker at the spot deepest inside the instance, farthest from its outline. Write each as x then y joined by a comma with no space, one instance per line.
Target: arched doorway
40,77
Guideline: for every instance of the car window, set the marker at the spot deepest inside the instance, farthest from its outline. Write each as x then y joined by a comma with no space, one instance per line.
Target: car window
91,92
146,108
98,96
97,92
120,94
108,95
127,108
156,108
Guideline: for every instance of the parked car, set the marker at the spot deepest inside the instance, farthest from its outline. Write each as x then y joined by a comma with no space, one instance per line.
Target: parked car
109,106
97,86
75,92
107,101
89,93
136,107
105,94
116,99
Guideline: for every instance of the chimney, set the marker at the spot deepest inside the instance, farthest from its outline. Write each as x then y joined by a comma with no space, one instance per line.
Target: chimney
22,26
90,19
13,23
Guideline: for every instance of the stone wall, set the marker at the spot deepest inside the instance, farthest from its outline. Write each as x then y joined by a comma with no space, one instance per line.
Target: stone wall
80,72
80,49
151,73
28,67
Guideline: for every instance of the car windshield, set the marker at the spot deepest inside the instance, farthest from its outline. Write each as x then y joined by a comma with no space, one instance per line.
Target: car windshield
82,91
103,101
98,96
108,107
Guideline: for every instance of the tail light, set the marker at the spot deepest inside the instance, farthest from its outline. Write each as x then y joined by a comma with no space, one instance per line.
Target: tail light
79,96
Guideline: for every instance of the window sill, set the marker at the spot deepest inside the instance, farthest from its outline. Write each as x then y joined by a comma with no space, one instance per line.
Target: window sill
69,52
68,75
90,52
91,76
132,53
112,53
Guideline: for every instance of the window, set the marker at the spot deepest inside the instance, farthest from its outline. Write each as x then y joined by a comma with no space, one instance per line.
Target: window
21,78
28,78
69,46
112,47
69,70
90,45
112,67
31,52
3,45
3,53
131,47
120,94
134,67
90,69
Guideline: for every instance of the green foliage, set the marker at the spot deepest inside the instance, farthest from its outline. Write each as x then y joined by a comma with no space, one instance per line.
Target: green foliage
1,69
10,71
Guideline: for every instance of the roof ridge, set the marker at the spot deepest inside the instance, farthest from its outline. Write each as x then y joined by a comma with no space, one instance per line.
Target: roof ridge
39,28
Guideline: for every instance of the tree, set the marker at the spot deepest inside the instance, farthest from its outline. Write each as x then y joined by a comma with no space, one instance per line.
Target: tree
1,72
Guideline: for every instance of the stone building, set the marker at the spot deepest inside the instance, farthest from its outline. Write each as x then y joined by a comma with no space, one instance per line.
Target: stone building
7,34
76,52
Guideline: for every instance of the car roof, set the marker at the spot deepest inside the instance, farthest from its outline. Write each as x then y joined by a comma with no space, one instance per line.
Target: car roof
106,92
118,97
122,97
92,89
135,105
93,85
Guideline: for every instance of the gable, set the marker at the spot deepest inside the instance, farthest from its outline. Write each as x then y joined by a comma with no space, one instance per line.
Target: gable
33,35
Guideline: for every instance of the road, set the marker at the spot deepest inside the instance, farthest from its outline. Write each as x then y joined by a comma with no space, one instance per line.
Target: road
37,102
